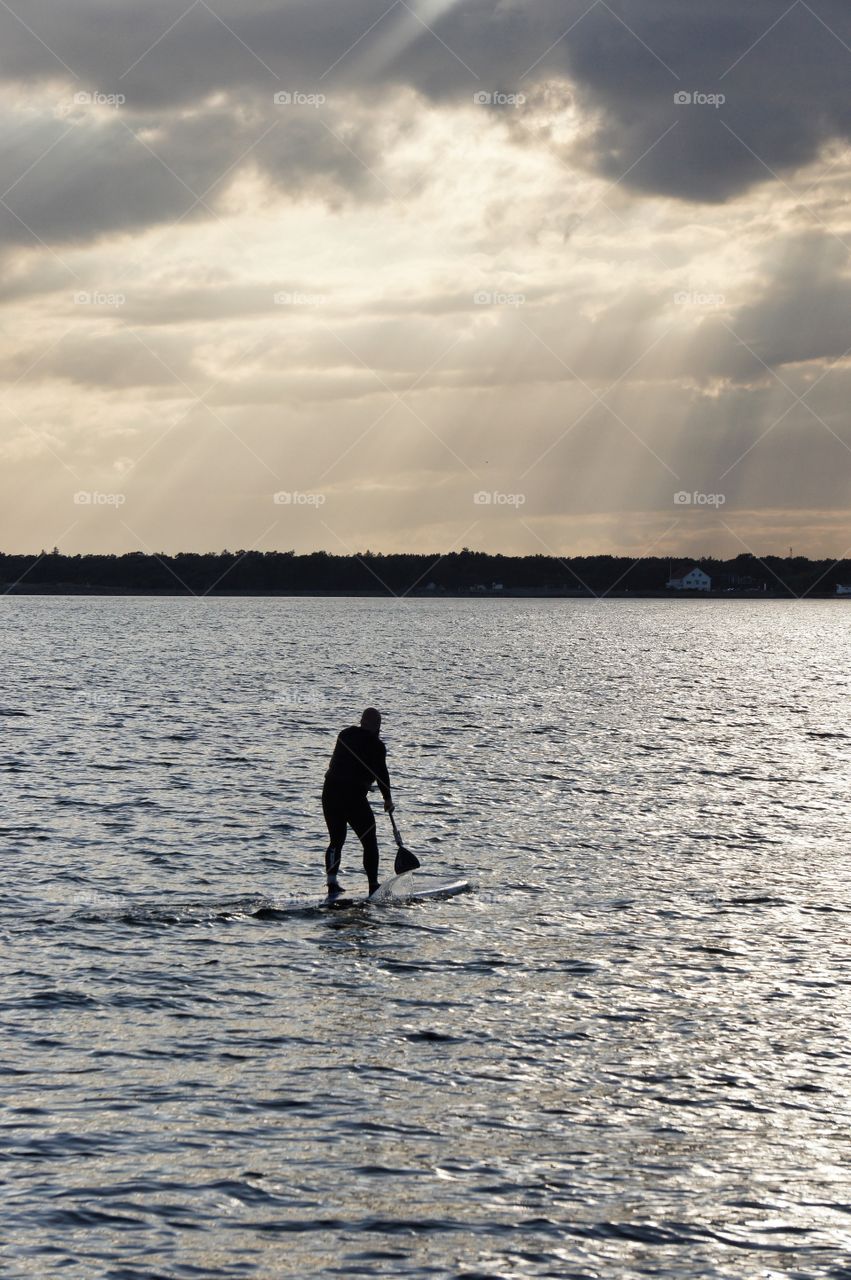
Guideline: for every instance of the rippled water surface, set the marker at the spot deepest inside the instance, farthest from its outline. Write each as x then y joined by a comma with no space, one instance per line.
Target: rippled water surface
625,1054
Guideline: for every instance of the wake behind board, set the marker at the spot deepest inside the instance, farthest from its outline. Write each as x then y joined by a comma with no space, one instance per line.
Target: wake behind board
400,889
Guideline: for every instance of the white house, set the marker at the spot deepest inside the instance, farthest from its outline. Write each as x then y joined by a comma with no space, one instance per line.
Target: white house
686,578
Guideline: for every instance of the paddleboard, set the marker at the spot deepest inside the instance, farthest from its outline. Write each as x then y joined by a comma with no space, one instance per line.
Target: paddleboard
401,889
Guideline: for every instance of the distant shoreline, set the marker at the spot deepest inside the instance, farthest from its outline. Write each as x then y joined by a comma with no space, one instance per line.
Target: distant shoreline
72,590
457,575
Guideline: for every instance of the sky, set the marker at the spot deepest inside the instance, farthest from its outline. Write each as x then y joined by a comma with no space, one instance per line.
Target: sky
528,276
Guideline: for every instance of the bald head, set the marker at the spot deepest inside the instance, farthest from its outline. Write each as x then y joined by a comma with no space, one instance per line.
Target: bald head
371,720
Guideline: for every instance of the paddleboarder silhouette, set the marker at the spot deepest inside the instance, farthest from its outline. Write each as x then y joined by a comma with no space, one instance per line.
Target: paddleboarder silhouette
359,760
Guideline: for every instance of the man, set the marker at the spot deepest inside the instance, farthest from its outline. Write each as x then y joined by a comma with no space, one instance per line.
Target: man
359,760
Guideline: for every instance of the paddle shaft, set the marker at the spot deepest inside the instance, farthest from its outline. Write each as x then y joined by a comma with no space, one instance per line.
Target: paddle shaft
396,835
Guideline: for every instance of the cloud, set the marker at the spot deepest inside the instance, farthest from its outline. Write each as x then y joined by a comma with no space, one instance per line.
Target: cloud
783,72
71,178
804,311
498,267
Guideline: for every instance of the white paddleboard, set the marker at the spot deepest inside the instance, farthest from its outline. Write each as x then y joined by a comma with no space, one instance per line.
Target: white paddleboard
402,889
449,890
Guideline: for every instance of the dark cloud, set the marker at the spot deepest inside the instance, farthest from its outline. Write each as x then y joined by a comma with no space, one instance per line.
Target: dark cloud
785,90
71,178
784,72
804,312
799,315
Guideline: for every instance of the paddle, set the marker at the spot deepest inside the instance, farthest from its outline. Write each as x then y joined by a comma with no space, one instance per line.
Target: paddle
405,860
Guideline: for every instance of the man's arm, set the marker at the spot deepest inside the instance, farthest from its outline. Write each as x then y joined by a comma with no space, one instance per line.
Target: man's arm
382,777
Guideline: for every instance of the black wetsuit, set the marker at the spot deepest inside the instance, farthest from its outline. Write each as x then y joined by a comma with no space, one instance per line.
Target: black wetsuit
359,760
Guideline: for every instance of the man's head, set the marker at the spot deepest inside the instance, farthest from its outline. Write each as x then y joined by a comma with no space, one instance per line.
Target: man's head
371,720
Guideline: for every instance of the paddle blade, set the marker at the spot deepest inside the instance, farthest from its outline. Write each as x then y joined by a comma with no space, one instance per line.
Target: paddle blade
405,861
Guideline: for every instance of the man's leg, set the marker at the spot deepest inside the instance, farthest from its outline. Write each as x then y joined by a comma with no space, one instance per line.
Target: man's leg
362,820
334,809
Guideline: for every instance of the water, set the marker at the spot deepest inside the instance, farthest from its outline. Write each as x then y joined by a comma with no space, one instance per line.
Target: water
627,1054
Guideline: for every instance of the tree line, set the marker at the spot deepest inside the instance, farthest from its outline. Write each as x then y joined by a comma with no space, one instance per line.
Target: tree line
375,573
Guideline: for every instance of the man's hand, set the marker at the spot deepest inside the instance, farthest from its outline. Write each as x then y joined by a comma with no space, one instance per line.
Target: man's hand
389,806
